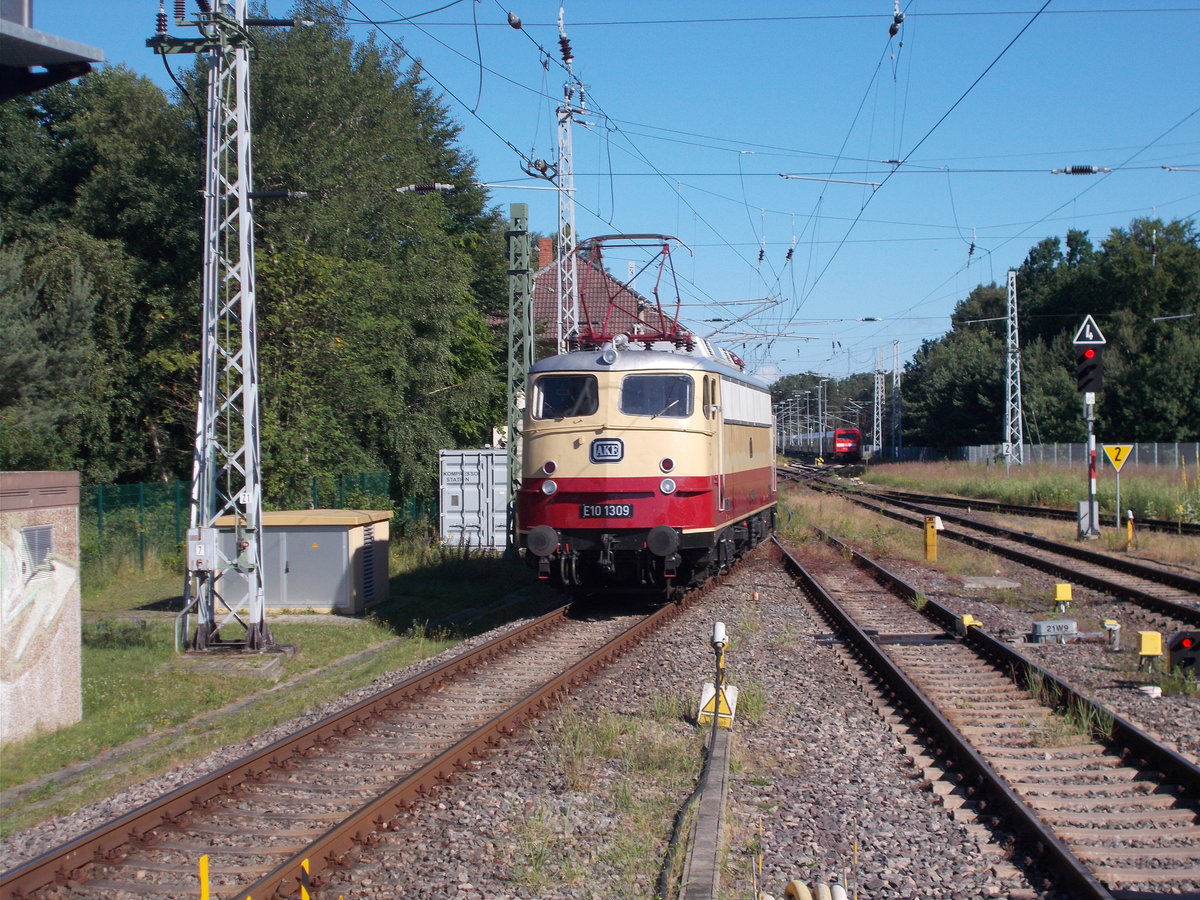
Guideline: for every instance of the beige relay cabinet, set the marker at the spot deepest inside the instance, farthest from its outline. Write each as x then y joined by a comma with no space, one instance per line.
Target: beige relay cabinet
327,560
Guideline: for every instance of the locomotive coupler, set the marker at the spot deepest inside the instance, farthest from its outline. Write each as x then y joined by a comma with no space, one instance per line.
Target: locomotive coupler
605,560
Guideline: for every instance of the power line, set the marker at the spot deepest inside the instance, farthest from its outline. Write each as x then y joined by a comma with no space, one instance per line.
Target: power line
924,138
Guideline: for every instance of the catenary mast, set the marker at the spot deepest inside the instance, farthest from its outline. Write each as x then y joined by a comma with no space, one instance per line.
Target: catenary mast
224,589
568,271
1014,434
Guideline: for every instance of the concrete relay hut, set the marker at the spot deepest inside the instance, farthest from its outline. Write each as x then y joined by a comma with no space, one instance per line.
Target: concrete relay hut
40,652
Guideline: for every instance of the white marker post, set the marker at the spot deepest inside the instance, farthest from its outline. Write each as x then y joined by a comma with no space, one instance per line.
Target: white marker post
1117,454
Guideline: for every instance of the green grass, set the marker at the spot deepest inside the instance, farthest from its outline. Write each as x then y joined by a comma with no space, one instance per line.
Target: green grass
135,685
887,539
123,585
466,590
136,688
752,700
1178,682
1152,493
633,769
1069,722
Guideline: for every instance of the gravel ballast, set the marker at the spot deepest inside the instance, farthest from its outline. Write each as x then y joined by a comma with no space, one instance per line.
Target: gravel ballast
820,785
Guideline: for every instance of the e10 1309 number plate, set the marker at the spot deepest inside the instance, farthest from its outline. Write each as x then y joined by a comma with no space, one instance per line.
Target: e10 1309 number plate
606,510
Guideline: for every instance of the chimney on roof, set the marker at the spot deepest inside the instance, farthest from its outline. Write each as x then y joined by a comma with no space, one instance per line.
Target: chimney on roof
545,252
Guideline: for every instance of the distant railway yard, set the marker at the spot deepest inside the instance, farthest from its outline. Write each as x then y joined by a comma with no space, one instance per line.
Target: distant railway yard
903,728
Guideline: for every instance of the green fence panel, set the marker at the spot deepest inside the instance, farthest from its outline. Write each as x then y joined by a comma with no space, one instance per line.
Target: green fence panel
125,523
121,524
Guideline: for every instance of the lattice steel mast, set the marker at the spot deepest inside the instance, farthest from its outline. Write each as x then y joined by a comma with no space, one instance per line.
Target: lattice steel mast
1014,435
568,272
897,403
520,346
877,421
226,465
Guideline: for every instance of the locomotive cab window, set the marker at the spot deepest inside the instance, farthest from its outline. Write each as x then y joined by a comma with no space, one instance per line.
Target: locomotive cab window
565,396
657,395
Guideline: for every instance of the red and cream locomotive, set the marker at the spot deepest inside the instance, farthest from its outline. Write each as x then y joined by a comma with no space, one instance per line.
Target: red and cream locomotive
647,463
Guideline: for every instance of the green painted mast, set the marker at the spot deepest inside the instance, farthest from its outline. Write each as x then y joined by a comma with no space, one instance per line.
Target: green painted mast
520,348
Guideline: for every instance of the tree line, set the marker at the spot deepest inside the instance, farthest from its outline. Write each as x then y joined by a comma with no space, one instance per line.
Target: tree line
377,309
373,306
1142,287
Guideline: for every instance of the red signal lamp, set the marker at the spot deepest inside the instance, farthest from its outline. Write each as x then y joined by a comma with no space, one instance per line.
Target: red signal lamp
1089,371
1183,652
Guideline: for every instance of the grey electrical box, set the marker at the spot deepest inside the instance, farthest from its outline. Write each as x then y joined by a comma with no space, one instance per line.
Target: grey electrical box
1088,518
201,549
473,501
326,560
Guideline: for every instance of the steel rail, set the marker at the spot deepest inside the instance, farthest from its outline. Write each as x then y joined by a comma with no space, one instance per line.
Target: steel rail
1184,613
104,843
1123,733
1126,566
1077,879
1041,512
340,845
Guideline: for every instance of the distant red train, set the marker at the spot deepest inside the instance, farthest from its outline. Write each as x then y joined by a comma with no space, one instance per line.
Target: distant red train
847,445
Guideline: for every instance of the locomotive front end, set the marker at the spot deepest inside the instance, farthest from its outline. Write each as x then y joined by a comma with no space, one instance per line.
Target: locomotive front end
616,471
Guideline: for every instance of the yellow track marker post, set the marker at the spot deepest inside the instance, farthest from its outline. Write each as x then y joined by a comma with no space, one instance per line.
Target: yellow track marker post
933,524
717,698
204,877
1062,597
1149,650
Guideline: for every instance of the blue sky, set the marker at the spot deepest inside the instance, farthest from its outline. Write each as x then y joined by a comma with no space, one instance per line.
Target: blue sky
695,108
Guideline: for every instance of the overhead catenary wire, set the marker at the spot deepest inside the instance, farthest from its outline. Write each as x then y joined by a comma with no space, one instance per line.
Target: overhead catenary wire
628,137
929,133
526,158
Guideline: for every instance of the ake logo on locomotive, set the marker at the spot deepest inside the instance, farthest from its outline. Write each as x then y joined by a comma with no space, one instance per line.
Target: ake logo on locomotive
607,450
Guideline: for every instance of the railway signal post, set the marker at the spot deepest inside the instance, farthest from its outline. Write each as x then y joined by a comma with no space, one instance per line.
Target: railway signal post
1089,379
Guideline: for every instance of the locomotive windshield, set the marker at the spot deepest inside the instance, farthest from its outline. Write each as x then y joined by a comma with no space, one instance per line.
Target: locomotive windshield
657,395
562,396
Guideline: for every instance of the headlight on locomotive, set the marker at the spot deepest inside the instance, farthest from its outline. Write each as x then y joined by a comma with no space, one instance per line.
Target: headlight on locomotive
549,487
667,485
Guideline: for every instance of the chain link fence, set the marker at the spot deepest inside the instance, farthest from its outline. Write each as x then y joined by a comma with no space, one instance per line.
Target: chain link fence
1175,454
137,523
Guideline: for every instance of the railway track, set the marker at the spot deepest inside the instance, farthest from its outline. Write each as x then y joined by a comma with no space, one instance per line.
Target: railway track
1111,812
1042,512
819,473
1171,595
317,798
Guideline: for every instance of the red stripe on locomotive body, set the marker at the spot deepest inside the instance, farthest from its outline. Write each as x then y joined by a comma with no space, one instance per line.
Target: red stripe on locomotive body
693,506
